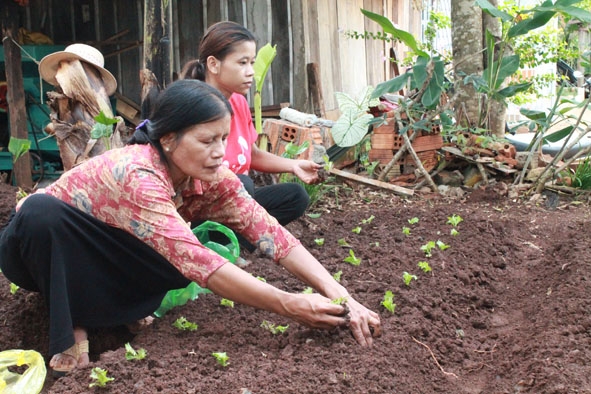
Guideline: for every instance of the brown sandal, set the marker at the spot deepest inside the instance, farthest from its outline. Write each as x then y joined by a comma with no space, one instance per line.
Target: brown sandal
75,352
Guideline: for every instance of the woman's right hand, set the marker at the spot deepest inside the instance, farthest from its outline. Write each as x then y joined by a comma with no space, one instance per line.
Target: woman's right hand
314,310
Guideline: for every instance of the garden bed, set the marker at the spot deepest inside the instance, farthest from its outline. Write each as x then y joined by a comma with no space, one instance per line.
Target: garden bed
505,309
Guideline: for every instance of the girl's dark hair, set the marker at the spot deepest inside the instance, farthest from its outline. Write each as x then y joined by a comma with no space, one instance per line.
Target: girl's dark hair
218,41
182,105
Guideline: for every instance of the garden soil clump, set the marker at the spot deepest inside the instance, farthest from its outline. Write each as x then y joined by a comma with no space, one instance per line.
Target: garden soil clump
505,309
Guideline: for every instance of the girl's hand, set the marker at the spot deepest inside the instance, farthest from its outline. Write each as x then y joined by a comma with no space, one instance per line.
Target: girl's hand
307,171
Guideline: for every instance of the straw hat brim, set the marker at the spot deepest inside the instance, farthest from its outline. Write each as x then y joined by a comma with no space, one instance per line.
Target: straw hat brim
49,64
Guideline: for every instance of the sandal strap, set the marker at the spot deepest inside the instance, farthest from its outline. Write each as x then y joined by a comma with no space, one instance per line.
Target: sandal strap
78,348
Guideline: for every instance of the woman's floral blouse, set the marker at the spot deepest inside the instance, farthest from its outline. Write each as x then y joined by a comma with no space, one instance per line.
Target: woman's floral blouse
129,188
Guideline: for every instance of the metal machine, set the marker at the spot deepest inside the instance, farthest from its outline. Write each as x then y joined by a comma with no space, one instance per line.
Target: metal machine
44,152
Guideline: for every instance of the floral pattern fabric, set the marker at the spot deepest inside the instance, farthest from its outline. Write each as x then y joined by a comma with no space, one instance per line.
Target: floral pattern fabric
129,188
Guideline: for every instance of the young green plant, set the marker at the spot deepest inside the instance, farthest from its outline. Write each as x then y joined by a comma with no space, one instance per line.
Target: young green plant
132,354
99,377
424,266
407,278
428,248
351,259
274,328
227,303
183,324
222,358
388,301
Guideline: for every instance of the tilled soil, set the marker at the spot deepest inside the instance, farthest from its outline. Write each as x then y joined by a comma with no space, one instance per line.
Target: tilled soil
505,309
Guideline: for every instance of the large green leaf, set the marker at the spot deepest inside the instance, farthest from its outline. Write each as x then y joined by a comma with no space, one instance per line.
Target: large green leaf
350,128
494,11
512,90
394,85
18,147
533,114
360,103
398,34
558,135
265,57
539,18
432,94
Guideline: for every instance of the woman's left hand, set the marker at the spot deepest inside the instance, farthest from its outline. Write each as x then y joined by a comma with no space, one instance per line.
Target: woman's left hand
364,323
307,171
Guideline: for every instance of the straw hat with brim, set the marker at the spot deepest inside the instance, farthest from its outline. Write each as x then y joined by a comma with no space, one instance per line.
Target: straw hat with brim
49,64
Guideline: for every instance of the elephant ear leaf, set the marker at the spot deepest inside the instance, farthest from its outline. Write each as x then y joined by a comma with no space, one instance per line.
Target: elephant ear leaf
350,128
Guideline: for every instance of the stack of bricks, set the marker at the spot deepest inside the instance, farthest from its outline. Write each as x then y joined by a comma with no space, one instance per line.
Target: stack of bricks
386,141
281,132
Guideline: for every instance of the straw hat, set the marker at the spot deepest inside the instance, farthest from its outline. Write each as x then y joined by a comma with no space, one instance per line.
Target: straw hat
49,64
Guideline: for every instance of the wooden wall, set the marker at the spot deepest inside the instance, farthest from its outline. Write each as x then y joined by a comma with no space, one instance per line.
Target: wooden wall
304,31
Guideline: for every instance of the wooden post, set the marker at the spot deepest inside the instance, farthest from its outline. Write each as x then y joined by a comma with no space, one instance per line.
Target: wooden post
157,40
315,89
152,37
16,94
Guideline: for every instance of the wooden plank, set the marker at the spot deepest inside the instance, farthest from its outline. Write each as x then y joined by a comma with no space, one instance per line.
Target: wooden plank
282,67
353,77
328,46
372,182
315,90
298,96
190,29
375,50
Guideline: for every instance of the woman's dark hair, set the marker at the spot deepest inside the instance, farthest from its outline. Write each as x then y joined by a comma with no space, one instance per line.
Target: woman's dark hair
218,41
182,105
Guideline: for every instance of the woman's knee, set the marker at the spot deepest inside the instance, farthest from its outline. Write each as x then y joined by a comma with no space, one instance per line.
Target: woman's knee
40,210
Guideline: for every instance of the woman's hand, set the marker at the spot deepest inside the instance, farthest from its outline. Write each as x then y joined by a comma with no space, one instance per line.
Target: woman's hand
317,311
307,171
364,323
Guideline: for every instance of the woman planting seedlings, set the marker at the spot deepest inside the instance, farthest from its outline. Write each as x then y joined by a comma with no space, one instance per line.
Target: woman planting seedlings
106,241
226,56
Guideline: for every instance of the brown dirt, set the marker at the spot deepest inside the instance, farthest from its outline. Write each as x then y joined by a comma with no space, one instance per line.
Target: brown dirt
505,310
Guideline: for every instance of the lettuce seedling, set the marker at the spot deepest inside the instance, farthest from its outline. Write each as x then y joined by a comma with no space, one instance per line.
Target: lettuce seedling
454,232
100,377
274,328
428,248
414,220
351,259
13,288
337,276
222,358
308,290
132,354
441,245
339,301
313,215
424,266
406,230
368,220
407,278
388,301
343,242
356,230
183,324
261,279
227,302
319,241
454,220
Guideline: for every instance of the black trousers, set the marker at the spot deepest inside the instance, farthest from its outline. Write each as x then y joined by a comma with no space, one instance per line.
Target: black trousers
90,274
284,201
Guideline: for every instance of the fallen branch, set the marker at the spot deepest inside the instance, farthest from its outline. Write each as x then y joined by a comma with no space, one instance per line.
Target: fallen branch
434,358
373,182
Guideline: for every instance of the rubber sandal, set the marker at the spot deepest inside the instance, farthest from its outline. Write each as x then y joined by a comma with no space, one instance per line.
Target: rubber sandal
75,352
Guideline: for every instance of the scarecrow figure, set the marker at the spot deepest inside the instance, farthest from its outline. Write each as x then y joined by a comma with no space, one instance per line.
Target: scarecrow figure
83,90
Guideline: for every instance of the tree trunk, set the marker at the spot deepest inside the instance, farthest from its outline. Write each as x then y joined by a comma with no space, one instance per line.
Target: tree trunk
498,111
467,47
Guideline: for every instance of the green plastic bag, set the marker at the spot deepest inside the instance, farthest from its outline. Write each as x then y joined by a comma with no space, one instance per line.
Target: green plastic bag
31,381
231,251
